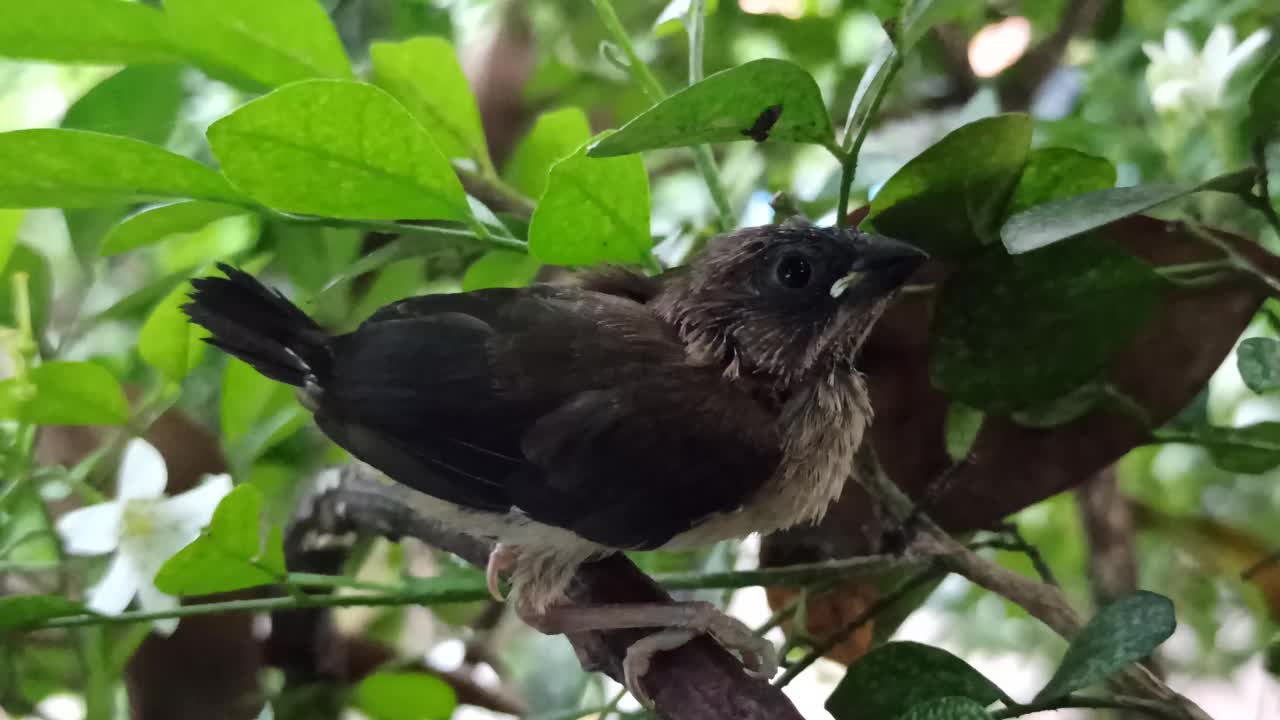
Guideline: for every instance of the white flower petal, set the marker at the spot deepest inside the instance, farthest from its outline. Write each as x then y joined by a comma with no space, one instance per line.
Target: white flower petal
92,530
1241,54
1171,94
193,509
1177,44
1218,47
152,600
1155,53
113,593
142,472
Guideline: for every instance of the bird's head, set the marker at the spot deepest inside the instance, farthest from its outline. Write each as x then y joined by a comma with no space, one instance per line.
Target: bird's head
785,300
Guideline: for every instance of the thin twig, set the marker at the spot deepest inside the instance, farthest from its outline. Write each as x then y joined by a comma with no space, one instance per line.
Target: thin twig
1116,702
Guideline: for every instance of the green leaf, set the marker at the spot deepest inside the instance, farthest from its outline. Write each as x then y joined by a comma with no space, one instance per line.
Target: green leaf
1251,450
594,210
151,225
257,412
555,136
396,281
68,393
112,106
731,105
260,44
440,98
1122,633
948,708
1258,360
20,611
233,553
340,149
950,198
405,696
500,268
894,677
168,341
100,32
1015,332
1048,223
961,428
74,168
1264,102
1062,410
1056,173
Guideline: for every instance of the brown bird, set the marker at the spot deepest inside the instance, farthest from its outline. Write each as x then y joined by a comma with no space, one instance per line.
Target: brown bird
622,412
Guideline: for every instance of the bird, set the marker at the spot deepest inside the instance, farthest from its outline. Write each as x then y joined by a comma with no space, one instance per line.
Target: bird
613,412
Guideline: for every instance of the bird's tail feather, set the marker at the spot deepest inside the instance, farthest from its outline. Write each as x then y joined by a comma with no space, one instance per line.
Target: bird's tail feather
260,326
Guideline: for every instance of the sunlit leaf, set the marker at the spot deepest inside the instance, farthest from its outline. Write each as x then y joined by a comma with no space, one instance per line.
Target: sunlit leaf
68,393
768,98
154,224
555,136
1056,173
594,210
424,75
113,106
337,148
168,341
405,696
233,553
259,44
100,32
74,168
500,268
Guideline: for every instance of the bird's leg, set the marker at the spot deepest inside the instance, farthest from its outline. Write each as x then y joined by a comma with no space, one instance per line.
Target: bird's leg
679,622
501,560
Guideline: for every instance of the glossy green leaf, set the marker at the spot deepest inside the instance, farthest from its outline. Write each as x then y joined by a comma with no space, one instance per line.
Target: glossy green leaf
113,106
594,210
555,136
1264,102
1258,360
74,168
947,708
500,268
894,677
231,554
951,198
100,32
151,225
259,44
340,149
66,393
425,76
1048,223
168,341
1250,450
763,97
20,611
1122,633
1012,333
1056,173
405,696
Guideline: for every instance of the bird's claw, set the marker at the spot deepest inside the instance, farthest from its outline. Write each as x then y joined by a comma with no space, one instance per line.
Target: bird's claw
758,656
501,560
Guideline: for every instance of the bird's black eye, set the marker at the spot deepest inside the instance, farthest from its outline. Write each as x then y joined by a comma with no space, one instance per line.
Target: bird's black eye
793,271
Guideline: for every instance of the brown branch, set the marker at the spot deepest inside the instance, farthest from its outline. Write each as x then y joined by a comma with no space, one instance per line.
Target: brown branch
1108,528
699,681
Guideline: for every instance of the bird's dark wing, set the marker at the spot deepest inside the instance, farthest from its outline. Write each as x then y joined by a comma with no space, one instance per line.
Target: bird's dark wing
574,407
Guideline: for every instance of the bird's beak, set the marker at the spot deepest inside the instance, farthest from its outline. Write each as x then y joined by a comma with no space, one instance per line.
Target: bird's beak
882,266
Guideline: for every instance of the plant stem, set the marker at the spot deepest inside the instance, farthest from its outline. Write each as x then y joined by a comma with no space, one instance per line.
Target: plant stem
421,594
853,139
652,87
1153,708
1235,258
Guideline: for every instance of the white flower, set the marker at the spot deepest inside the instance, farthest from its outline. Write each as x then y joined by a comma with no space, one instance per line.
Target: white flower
143,528
1182,79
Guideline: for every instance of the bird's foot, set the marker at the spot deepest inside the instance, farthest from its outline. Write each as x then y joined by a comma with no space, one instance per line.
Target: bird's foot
501,560
679,623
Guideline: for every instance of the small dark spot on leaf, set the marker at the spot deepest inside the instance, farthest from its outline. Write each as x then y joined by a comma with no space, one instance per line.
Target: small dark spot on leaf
759,130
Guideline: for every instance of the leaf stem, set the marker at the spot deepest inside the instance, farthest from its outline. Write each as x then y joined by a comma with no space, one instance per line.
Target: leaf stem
1154,708
652,87
855,132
